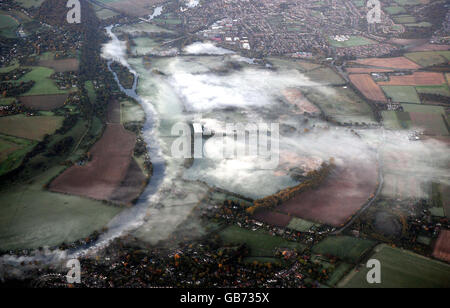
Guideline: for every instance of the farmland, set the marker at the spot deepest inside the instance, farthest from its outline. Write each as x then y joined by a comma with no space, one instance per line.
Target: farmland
301,225
438,90
402,94
404,19
8,26
429,58
44,85
442,246
407,2
394,10
302,66
366,70
273,218
338,198
343,106
261,244
395,63
101,176
401,268
64,65
30,3
31,217
416,79
7,101
432,124
33,128
346,248
12,152
43,102
352,41
368,87
429,47
132,7
325,76
296,98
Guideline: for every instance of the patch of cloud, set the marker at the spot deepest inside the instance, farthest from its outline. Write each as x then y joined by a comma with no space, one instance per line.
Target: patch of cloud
206,48
244,89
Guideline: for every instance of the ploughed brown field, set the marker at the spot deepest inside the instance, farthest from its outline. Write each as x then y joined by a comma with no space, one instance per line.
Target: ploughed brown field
396,63
366,70
113,112
131,186
416,79
60,66
442,246
341,195
44,102
33,128
272,218
103,174
368,87
295,97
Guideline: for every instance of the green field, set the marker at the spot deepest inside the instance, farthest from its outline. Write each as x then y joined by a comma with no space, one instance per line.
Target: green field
301,65
343,105
8,26
402,94
32,128
407,2
44,85
346,248
404,19
338,273
438,110
429,58
7,69
91,91
31,217
7,21
168,21
391,121
12,152
438,90
394,10
7,101
300,224
261,244
263,260
359,3
401,269
30,3
423,24
353,41
325,76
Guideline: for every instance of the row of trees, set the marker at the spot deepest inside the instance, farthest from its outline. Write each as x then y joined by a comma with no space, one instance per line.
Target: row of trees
315,178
